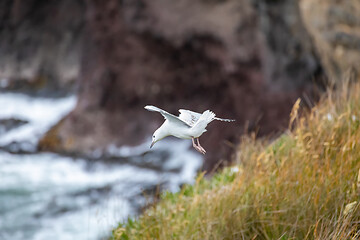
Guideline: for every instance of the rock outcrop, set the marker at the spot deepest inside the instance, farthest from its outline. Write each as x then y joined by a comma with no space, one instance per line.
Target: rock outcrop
335,28
40,44
247,60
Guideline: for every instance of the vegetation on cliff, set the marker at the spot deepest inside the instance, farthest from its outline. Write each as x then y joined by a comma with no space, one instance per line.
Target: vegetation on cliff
304,185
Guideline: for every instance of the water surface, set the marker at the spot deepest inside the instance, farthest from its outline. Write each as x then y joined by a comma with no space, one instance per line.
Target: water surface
49,196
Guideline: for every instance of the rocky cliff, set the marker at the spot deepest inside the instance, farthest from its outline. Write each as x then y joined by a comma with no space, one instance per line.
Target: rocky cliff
40,44
247,60
335,29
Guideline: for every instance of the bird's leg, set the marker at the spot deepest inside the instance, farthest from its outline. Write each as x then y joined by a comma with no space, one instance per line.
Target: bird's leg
197,147
198,143
194,145
193,142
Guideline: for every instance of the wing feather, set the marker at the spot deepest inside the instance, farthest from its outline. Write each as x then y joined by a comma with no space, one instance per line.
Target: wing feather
168,116
189,117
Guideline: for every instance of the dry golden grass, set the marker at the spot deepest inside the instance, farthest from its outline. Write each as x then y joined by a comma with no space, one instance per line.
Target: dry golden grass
304,185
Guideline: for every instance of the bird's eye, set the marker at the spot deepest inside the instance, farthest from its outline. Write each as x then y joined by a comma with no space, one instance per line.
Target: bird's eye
153,136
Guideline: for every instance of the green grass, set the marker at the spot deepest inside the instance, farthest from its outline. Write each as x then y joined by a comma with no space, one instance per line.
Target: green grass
304,185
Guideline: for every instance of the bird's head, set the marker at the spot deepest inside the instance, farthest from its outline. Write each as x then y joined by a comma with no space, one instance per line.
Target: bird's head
157,136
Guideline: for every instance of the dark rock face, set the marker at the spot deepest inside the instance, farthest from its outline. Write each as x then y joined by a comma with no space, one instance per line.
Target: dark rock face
40,43
288,55
9,124
244,60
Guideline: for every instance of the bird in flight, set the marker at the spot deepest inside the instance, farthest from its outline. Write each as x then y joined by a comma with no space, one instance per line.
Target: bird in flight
188,125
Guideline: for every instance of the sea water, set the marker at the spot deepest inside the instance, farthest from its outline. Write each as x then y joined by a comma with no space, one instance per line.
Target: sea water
49,196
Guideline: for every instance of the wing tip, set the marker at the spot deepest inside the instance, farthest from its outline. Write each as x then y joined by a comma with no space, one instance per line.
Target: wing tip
229,120
149,107
225,120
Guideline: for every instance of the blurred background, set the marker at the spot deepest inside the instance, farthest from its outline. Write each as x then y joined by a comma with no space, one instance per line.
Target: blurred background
75,76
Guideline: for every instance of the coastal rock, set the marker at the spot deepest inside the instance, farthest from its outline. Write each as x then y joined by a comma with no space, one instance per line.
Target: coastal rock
8,124
226,56
335,28
40,45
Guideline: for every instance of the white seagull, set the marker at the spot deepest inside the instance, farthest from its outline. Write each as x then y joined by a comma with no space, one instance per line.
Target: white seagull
188,125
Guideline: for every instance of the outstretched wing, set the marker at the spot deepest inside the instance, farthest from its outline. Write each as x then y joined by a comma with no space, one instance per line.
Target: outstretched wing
168,116
189,117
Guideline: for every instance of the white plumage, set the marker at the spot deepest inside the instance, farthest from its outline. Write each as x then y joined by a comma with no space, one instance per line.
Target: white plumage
188,125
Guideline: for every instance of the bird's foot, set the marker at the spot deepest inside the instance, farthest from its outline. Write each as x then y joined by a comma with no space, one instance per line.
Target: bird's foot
204,151
200,149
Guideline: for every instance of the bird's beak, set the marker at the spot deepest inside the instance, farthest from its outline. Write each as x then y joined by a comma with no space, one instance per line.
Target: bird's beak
152,144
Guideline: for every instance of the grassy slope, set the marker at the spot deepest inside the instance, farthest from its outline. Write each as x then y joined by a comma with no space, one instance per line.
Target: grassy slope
297,187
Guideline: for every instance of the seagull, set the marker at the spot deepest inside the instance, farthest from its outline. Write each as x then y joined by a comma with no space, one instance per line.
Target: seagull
188,125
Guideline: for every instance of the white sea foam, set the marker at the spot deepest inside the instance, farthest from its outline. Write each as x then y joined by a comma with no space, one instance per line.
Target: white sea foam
41,113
